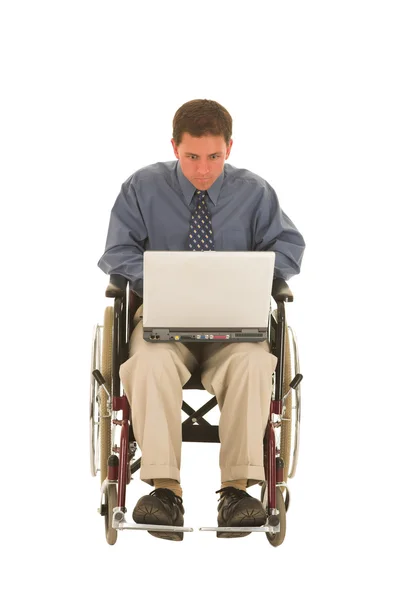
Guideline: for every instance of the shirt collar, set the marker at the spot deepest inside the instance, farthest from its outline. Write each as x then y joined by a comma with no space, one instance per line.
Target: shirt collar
188,189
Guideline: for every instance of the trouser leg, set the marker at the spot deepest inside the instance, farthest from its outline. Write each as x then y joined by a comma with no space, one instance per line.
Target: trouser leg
240,376
153,378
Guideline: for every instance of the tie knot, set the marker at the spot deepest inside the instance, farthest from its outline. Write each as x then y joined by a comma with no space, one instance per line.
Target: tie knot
200,195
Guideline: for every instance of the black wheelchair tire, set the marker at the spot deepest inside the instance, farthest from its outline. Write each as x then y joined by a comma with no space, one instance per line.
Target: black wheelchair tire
111,499
276,539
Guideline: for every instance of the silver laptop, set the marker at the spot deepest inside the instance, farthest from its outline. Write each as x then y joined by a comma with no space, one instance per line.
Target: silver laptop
206,296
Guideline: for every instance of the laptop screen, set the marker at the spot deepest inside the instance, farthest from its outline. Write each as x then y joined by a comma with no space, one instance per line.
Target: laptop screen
207,290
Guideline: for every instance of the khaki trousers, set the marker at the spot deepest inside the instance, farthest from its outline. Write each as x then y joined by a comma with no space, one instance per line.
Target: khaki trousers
239,374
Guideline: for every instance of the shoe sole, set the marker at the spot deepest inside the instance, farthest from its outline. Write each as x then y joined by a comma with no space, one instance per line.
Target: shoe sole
253,518
148,516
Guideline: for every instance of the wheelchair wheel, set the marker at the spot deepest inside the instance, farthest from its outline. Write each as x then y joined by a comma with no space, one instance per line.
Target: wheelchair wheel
286,430
296,410
106,371
110,502
94,403
276,539
290,430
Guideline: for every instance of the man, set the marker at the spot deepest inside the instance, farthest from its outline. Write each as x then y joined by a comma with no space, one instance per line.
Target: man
159,208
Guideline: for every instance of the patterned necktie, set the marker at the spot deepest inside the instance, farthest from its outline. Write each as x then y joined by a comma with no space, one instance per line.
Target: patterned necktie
200,230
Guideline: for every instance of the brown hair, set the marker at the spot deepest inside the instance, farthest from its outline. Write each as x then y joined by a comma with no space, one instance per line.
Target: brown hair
201,117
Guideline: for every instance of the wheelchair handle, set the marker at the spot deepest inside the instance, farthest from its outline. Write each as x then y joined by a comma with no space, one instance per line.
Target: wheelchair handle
295,382
98,377
292,386
102,383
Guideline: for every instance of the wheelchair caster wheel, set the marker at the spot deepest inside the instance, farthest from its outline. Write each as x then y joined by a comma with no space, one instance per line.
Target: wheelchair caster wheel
111,498
275,539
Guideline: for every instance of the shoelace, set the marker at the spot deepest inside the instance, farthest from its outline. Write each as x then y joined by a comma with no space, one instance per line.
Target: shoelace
230,490
167,495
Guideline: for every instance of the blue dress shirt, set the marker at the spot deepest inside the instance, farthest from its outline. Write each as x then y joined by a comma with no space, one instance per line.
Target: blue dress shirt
153,210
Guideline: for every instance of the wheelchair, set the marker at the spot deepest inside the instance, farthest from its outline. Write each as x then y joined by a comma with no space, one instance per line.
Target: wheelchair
113,446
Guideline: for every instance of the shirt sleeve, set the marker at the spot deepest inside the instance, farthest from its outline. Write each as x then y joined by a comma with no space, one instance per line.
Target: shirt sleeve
126,238
274,231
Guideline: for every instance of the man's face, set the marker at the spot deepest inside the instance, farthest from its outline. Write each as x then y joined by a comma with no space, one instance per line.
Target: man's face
202,158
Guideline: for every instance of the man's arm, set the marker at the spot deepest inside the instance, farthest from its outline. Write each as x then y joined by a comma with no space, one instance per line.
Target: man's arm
126,238
274,231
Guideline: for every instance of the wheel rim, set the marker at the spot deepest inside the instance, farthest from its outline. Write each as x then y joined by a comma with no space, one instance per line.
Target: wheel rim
286,431
94,404
297,409
106,369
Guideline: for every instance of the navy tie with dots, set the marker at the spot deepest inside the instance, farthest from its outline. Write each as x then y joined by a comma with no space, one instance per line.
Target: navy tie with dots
200,230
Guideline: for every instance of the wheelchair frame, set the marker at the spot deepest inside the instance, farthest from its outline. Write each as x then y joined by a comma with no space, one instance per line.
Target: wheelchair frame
195,428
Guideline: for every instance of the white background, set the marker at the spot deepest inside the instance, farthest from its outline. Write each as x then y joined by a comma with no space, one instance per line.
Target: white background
89,90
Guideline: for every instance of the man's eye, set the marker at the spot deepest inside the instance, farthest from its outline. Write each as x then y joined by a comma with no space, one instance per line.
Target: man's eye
194,157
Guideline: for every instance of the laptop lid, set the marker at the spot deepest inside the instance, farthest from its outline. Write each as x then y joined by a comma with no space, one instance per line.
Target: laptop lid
207,290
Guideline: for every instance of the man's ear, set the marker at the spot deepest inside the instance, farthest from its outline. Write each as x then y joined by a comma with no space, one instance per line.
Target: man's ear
228,150
175,148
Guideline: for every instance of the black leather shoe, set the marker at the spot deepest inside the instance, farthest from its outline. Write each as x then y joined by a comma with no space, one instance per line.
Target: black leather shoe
237,508
160,507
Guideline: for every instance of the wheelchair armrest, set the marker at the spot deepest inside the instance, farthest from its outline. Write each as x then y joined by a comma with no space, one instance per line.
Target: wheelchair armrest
117,286
281,291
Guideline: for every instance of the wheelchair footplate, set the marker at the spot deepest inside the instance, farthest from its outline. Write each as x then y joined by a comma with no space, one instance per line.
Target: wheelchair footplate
119,522
265,529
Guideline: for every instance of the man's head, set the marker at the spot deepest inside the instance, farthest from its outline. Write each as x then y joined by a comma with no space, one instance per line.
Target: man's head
202,131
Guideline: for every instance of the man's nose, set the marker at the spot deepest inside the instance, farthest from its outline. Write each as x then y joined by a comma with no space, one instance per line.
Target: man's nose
203,168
